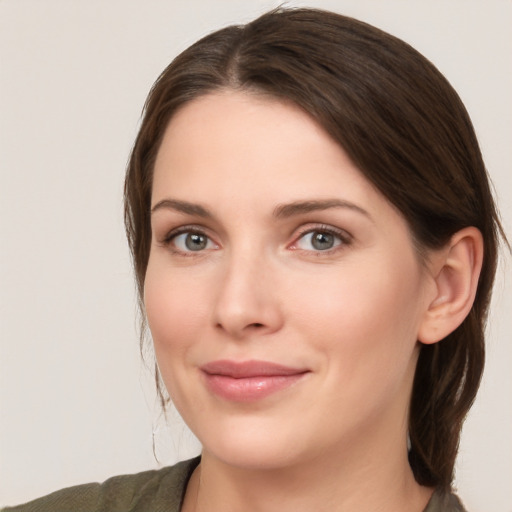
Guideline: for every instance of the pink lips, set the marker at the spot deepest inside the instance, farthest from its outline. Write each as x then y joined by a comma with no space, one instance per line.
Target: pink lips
248,381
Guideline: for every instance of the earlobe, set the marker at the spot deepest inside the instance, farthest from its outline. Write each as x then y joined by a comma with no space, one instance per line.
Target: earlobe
456,270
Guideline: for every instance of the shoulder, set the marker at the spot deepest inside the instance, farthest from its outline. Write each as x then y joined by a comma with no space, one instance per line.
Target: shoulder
149,491
444,502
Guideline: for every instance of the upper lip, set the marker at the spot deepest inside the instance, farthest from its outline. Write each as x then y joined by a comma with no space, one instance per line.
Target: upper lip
247,369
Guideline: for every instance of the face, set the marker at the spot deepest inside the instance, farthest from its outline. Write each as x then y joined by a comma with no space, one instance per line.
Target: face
283,292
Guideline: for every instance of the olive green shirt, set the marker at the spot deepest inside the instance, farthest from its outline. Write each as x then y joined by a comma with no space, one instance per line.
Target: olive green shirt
153,491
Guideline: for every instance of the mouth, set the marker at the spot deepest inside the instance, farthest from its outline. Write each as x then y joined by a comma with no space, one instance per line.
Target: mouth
249,381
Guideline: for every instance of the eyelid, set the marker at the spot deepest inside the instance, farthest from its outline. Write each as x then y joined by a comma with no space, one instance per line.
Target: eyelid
344,236
174,232
166,241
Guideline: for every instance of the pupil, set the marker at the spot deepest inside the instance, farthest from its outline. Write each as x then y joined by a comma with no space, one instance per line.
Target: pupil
322,241
195,242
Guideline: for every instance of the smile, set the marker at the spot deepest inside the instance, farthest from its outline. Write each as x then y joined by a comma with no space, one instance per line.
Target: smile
249,381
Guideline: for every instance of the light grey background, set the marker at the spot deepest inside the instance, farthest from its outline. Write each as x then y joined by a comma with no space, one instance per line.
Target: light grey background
77,404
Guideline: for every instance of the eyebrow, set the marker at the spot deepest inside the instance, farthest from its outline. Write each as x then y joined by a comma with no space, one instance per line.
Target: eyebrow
282,211
299,207
183,207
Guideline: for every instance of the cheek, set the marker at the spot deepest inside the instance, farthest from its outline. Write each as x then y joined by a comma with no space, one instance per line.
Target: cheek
175,309
366,317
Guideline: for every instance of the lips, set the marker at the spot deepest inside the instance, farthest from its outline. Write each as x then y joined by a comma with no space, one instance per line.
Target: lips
249,381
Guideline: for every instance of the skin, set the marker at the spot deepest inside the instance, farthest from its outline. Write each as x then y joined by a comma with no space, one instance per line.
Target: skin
259,289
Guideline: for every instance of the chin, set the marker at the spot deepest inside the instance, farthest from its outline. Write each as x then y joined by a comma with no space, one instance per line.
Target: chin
256,445
256,456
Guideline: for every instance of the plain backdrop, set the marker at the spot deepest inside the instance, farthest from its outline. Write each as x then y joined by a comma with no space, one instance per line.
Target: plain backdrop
77,404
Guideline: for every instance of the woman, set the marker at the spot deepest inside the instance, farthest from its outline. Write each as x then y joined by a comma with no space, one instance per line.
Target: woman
314,242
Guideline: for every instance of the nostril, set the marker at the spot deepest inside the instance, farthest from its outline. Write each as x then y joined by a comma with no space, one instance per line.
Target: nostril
255,325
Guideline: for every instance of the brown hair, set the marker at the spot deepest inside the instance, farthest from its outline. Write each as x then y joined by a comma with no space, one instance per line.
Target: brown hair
408,132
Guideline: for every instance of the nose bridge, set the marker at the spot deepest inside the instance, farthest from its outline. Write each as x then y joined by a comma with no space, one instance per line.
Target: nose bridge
246,301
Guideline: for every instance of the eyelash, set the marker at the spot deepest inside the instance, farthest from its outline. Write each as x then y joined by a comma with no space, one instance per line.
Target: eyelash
344,238
168,240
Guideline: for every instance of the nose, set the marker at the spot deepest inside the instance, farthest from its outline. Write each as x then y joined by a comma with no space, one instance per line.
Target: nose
247,303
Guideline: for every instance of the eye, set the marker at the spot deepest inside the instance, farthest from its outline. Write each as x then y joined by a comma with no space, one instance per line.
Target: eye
320,240
191,241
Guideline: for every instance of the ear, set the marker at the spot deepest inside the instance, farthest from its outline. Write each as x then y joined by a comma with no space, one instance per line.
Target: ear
455,270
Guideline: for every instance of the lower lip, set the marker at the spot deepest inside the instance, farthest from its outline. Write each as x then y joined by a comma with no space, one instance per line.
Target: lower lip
249,389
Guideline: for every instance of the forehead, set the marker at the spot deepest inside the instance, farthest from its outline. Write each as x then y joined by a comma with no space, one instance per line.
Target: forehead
240,123
237,152
243,137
